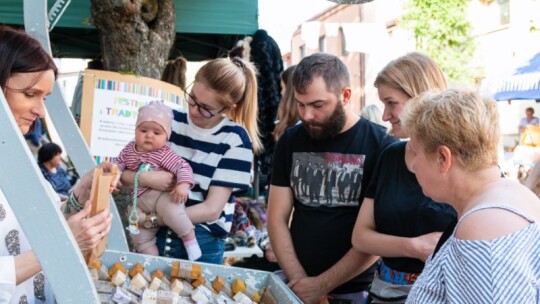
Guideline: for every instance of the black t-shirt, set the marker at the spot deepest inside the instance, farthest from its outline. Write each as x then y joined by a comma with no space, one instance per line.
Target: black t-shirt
400,206
328,179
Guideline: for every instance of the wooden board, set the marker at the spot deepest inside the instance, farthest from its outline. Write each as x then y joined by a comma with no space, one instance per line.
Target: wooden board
99,198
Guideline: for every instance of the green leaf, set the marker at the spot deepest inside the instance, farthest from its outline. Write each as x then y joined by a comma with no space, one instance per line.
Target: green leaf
442,31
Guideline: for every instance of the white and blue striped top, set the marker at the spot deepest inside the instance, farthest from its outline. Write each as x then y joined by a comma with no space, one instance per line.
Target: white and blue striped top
220,156
502,270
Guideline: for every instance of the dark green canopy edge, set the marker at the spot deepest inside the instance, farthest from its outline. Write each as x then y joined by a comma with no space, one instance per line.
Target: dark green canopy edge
205,29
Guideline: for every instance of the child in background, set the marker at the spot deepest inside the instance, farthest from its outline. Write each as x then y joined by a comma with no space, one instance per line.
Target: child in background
152,130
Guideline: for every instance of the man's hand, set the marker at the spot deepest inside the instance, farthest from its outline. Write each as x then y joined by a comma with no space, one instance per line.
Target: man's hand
309,289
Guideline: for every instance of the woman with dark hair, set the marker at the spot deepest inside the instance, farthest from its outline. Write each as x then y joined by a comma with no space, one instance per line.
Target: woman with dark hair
27,76
49,161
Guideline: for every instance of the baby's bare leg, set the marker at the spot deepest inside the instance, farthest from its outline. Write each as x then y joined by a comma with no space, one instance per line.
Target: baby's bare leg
175,217
145,241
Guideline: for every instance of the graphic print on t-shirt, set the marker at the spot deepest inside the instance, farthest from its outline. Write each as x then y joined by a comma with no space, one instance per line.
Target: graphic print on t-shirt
327,179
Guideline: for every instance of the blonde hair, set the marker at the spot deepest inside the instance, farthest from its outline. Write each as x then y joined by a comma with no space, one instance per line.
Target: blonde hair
413,73
373,114
287,115
235,81
459,119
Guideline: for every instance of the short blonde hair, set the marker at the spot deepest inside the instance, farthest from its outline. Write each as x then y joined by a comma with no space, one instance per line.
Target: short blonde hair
459,119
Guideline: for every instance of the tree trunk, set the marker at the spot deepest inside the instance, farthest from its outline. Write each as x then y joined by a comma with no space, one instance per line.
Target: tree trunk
136,36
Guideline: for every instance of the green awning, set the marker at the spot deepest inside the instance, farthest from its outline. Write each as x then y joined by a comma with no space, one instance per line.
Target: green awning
204,28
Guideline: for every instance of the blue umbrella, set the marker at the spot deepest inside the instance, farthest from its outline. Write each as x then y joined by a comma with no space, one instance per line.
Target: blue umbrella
523,84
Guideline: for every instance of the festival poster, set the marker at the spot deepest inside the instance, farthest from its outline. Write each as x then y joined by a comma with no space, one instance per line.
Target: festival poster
110,104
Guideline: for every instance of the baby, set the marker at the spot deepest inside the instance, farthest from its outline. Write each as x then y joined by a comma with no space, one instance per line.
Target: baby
150,149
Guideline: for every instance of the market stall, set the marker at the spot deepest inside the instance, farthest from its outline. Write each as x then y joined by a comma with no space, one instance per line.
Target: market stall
63,264
523,84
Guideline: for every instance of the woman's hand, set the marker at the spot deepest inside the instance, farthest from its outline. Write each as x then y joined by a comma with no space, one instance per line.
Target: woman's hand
158,180
163,181
425,244
88,231
112,168
83,188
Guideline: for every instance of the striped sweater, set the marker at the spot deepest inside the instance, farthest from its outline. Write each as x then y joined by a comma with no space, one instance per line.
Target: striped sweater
162,159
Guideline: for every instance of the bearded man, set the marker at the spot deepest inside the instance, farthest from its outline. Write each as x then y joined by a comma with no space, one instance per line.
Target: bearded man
315,252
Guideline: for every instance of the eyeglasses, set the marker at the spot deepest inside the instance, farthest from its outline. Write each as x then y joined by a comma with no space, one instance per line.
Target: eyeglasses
192,101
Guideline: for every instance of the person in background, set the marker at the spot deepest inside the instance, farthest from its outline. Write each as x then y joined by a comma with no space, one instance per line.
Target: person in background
149,151
287,116
36,137
533,178
315,251
27,76
373,114
50,161
492,255
529,119
396,220
287,111
218,137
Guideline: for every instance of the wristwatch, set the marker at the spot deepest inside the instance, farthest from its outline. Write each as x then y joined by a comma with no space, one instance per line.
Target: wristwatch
150,220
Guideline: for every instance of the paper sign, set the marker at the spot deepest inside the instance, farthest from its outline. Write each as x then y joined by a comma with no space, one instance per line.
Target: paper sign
110,104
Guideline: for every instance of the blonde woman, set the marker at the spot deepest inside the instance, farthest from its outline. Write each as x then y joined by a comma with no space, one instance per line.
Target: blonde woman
492,255
217,135
396,220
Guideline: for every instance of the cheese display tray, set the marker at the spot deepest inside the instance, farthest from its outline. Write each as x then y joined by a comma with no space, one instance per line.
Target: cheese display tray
255,278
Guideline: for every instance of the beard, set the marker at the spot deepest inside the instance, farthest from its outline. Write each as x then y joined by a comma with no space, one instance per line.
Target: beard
329,128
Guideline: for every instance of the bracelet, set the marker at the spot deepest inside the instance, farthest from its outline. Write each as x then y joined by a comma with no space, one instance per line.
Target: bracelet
151,220
72,202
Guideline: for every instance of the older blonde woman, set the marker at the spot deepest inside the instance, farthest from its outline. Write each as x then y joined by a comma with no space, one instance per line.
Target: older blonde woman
493,254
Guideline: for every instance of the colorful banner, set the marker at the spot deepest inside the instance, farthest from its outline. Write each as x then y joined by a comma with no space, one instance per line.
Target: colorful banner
110,105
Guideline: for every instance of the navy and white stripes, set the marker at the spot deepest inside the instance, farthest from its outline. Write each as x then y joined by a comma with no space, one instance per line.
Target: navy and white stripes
502,270
220,156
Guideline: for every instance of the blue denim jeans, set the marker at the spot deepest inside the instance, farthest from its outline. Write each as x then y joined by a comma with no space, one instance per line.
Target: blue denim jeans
169,245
